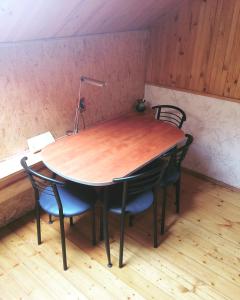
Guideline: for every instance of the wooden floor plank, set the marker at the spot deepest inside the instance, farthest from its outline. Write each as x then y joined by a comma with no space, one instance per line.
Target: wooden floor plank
136,261
20,250
198,257
196,284
138,280
105,283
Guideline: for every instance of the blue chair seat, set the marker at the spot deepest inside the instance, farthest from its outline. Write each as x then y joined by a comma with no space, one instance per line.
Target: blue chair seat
75,200
135,204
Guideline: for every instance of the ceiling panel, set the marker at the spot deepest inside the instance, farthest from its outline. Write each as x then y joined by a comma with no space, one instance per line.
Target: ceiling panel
41,19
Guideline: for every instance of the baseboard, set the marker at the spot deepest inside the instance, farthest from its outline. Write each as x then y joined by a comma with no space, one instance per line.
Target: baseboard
210,179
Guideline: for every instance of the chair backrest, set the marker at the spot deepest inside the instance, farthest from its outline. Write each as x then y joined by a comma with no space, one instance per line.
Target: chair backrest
177,154
141,182
171,114
42,183
181,152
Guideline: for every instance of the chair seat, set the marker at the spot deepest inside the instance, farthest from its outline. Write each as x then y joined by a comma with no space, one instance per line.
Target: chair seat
134,205
172,176
76,199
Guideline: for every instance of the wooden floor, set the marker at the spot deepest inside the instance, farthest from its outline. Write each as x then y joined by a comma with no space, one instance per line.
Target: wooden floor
198,258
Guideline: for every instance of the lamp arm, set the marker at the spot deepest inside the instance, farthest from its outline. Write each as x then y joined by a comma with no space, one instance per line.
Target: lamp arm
87,80
92,81
76,120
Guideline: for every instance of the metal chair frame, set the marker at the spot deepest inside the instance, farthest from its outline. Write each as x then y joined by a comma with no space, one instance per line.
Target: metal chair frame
173,114
177,156
40,183
133,185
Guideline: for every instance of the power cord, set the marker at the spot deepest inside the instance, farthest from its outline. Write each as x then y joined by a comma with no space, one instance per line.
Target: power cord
83,119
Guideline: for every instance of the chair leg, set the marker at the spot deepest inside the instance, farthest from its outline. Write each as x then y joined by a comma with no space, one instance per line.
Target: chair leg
93,227
131,218
155,231
122,225
71,221
101,224
38,224
178,185
105,227
64,255
163,210
50,220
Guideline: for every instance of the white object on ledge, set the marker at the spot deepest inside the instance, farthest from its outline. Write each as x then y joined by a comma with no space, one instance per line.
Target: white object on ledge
38,142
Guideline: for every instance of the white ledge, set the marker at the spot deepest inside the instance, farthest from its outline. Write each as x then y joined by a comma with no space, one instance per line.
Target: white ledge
11,165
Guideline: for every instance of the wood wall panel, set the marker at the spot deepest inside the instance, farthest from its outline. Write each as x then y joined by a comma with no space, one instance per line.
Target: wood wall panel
15,200
17,195
39,83
196,47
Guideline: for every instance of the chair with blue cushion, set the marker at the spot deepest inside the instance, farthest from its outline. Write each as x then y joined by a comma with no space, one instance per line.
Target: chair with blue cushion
133,195
60,199
170,114
173,175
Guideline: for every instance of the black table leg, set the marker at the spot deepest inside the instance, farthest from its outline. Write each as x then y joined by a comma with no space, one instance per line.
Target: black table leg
105,226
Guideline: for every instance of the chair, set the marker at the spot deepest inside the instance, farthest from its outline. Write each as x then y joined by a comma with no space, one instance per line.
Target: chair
133,195
173,175
171,114
60,199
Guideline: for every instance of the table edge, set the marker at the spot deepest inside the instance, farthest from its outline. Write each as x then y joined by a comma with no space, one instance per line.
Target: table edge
101,184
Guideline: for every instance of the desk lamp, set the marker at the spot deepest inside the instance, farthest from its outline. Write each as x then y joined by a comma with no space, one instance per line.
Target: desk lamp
80,103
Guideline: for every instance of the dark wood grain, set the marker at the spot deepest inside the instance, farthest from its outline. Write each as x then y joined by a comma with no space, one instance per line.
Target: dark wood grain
111,149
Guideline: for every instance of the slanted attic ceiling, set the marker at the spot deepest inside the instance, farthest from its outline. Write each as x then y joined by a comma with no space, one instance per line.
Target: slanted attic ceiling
22,20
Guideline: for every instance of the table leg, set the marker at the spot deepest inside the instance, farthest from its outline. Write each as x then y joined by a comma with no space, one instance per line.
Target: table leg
105,225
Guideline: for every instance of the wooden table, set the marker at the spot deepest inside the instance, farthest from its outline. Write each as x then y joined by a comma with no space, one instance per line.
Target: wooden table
110,149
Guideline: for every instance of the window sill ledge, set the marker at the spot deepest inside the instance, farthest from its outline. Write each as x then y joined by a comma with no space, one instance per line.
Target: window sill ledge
11,169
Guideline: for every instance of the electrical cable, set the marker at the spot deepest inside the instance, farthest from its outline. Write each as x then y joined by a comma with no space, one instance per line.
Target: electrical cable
83,119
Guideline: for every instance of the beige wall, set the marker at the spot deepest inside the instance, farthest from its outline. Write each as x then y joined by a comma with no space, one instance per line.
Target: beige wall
215,126
39,83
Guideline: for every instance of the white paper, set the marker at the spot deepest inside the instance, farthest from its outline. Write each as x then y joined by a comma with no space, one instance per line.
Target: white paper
38,142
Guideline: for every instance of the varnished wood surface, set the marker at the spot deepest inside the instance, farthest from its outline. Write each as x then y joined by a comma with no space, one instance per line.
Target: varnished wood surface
198,258
40,81
111,149
195,46
75,17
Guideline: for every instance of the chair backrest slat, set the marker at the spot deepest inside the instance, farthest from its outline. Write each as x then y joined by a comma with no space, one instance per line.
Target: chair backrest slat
142,182
171,114
170,120
41,183
177,154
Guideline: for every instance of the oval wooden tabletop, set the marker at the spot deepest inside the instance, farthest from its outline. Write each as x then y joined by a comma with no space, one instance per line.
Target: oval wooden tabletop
111,149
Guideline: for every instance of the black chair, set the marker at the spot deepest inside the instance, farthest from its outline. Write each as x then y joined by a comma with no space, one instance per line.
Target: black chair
60,199
131,196
171,114
173,175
